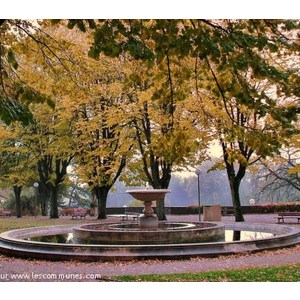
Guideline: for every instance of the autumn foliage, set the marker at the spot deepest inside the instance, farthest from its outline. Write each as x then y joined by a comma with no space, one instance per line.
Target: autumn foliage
139,99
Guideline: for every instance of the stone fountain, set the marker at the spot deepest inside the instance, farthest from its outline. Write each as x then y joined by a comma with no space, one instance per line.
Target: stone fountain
148,231
148,219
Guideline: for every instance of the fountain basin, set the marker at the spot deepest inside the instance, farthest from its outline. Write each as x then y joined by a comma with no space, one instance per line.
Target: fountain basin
12,243
131,234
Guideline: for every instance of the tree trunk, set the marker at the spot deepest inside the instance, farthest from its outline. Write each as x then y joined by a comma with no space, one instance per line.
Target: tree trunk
234,182
44,194
101,193
53,203
17,192
160,205
161,210
236,235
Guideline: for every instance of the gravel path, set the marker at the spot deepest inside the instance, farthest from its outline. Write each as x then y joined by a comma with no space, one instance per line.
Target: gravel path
15,269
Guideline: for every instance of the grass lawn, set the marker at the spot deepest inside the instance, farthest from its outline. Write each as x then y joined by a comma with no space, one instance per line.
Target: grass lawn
274,274
11,223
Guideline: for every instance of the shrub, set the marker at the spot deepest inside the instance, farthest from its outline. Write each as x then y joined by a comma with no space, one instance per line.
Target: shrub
277,207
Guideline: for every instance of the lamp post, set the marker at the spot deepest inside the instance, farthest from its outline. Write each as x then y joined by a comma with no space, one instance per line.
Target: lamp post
35,185
198,172
2,201
252,202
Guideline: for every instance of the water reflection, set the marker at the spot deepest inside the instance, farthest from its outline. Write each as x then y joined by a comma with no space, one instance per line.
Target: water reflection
236,235
230,236
57,238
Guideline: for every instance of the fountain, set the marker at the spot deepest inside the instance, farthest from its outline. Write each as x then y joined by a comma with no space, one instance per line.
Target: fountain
148,219
148,238
148,231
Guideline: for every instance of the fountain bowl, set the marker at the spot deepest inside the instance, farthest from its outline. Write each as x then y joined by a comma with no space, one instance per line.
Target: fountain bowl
148,194
148,219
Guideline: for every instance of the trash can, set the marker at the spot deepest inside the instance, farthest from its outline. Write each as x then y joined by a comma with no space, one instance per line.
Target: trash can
212,213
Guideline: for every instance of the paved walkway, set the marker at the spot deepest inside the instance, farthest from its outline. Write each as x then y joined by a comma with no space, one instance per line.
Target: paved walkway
15,269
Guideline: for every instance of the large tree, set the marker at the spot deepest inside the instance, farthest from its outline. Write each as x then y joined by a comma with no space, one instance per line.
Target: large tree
50,127
16,161
103,147
259,101
168,136
102,134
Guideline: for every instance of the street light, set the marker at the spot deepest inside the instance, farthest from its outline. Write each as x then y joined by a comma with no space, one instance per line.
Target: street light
2,200
198,172
252,202
35,185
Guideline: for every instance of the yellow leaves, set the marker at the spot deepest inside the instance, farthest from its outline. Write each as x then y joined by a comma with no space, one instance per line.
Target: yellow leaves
235,155
4,133
173,146
218,165
294,170
225,80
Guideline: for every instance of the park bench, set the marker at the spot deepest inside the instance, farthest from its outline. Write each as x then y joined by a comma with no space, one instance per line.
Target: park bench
286,215
80,214
125,216
131,212
5,213
128,214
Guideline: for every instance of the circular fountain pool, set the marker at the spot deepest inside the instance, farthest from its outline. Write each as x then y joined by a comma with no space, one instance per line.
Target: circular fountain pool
165,233
16,243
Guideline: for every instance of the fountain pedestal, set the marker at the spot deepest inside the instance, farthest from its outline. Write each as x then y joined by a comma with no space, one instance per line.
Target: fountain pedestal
148,219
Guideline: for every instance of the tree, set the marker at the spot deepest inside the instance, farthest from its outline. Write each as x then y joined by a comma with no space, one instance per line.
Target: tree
15,161
50,129
167,137
85,100
252,115
278,178
52,148
246,134
102,134
103,146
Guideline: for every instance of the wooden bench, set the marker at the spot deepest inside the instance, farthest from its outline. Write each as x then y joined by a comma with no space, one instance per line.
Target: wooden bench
286,215
134,215
5,213
80,214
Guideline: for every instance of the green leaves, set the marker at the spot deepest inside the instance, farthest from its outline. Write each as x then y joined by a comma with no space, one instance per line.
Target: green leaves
81,24
12,60
16,109
12,110
27,96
